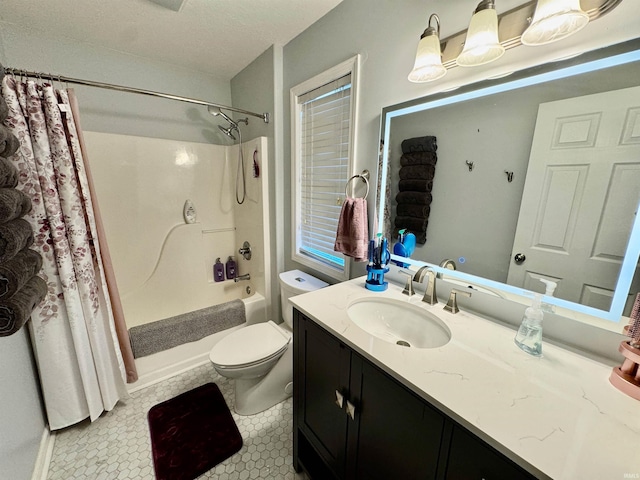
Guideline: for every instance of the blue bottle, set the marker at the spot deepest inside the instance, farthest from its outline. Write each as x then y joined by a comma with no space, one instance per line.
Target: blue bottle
231,268
218,271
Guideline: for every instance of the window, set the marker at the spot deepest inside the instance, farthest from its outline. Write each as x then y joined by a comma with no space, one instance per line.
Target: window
323,113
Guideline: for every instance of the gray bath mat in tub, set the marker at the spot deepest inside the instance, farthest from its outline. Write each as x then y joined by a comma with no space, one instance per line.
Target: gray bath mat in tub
168,333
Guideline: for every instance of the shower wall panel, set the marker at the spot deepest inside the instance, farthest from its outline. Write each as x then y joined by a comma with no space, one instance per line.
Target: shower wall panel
164,265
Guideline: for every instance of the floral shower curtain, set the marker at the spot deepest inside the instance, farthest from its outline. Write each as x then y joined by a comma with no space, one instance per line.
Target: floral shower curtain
81,367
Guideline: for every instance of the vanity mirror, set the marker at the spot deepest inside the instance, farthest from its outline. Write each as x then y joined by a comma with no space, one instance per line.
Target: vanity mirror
555,184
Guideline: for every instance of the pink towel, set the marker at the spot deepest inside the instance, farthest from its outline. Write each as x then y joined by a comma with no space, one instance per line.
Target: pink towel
352,237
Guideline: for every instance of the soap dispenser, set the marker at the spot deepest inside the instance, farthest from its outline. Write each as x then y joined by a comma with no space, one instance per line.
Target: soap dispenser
529,336
218,271
231,268
550,288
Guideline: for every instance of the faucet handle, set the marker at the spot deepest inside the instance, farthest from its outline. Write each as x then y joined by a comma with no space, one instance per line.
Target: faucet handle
452,304
408,287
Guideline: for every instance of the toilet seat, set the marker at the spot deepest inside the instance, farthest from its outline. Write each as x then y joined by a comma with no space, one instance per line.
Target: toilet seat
250,345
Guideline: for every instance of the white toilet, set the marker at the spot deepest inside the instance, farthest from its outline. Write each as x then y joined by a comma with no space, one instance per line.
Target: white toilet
259,357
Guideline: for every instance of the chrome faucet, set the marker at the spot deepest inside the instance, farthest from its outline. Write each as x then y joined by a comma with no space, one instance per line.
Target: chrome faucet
430,295
246,276
447,263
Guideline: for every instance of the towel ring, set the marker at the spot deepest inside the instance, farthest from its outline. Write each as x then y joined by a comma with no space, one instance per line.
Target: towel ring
364,179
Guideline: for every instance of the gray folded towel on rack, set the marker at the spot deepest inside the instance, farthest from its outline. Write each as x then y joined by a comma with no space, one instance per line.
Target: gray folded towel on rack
8,174
15,273
14,236
417,172
13,204
10,145
413,224
421,237
15,311
419,211
4,108
419,144
414,198
413,185
418,158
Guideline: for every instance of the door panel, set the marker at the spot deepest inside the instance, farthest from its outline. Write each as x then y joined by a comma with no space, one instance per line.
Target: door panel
576,213
326,369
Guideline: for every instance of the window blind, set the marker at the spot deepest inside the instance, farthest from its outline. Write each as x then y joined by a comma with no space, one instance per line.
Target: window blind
325,131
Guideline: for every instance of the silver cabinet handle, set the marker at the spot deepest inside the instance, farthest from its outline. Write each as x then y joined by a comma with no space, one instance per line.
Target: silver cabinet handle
339,399
351,410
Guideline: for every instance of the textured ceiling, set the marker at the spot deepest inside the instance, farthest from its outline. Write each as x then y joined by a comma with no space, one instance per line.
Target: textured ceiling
219,37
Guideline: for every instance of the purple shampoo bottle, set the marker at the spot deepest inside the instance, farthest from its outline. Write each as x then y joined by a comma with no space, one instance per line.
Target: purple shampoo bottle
218,271
231,268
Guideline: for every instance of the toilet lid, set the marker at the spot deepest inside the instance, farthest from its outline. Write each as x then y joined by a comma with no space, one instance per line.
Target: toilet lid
251,344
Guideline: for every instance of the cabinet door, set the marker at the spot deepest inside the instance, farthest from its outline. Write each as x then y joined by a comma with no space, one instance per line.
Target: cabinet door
472,459
322,377
396,433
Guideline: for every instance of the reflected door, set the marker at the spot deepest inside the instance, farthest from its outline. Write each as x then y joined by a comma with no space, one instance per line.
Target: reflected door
580,197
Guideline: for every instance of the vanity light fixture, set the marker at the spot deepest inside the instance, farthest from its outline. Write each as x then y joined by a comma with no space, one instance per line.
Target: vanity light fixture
527,24
428,65
481,45
554,20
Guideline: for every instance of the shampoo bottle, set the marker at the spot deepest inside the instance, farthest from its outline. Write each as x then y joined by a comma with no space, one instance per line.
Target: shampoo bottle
529,336
218,271
231,268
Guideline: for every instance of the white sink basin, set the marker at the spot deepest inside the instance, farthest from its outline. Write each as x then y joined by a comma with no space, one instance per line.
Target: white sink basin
400,323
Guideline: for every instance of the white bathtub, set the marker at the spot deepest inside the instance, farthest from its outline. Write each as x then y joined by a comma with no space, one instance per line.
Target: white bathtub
162,365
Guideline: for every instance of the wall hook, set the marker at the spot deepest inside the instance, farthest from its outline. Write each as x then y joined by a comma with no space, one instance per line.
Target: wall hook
509,176
469,164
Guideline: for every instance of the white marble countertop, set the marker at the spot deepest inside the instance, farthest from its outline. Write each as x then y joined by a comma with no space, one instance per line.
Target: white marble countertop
558,413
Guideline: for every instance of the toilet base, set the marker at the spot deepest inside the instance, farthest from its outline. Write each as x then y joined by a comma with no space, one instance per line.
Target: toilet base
255,395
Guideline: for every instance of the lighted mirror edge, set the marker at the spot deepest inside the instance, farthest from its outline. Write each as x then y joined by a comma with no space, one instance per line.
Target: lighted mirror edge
574,67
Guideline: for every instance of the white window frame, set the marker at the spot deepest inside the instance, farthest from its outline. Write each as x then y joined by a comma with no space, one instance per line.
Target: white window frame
350,66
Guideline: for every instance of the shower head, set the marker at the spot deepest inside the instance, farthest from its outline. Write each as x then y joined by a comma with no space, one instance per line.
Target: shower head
228,131
215,111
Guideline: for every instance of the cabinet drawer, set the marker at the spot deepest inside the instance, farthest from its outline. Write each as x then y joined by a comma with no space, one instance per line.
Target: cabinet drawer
471,459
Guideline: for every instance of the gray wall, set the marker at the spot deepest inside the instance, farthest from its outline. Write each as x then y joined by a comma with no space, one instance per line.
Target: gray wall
116,112
22,419
257,88
386,33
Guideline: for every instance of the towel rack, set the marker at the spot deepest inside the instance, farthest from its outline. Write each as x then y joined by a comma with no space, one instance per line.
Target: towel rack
365,178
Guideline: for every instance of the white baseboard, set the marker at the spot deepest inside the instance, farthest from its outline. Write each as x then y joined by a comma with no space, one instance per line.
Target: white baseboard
41,467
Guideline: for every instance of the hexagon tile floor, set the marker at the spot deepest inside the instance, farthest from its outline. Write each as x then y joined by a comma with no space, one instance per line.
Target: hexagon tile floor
117,446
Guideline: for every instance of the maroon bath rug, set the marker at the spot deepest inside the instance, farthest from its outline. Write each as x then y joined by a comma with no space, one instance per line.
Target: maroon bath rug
192,433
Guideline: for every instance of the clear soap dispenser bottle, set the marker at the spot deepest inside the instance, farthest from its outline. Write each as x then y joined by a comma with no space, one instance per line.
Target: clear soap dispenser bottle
529,336
550,288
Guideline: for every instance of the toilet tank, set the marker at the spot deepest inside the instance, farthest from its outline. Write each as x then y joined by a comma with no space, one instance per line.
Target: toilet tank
292,283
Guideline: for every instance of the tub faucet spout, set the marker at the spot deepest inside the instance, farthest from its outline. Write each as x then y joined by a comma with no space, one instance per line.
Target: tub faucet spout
239,278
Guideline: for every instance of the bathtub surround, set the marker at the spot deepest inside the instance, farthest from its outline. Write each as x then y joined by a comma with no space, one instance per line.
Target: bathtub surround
163,265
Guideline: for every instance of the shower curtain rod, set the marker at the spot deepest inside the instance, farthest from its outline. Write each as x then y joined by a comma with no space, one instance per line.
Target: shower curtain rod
120,88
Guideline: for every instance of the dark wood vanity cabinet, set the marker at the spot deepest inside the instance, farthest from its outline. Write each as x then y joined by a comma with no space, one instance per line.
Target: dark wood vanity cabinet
354,421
